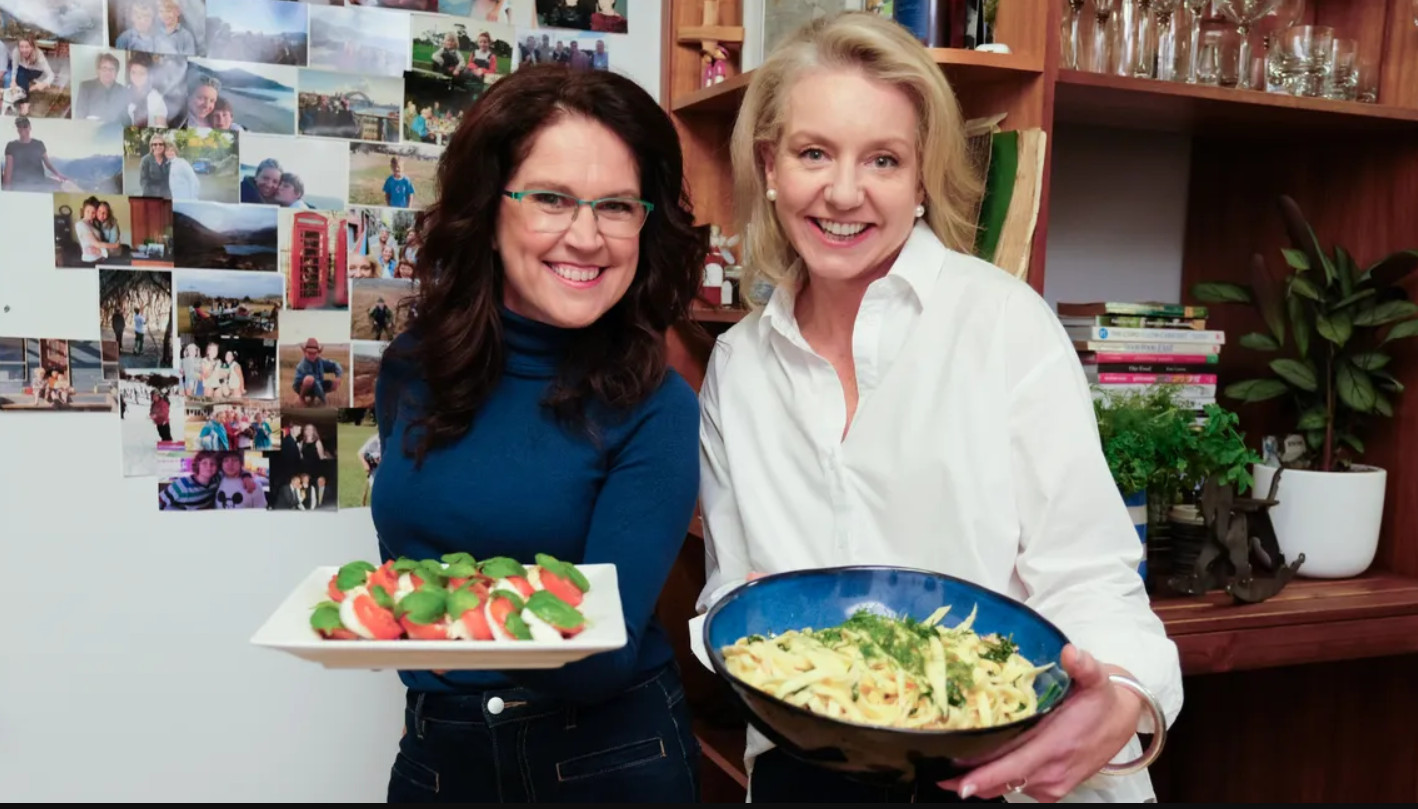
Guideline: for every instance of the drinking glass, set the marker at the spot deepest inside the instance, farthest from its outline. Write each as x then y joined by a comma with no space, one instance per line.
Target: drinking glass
1244,14
1342,82
1284,15
1069,45
1305,58
1194,17
1166,33
1366,86
1103,22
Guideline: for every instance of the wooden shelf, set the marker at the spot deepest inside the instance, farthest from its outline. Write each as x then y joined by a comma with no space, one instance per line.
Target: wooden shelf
1309,621
962,65
723,34
1148,104
710,314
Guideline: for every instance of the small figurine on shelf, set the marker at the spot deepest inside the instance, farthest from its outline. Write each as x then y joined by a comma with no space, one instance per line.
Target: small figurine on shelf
717,285
713,55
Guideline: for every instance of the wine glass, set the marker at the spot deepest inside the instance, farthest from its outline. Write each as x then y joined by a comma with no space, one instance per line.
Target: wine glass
1102,22
1166,32
1194,17
1069,46
1243,14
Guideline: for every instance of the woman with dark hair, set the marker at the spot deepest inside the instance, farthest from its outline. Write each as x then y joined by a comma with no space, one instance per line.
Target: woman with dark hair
529,409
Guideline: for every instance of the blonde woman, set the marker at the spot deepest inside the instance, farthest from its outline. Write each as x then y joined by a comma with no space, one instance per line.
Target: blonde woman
30,72
900,402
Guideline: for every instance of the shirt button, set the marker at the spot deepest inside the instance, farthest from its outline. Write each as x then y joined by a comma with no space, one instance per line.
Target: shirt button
495,705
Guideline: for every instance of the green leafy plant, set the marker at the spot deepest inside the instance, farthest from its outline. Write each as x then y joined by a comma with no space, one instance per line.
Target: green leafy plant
1146,437
1218,451
1332,323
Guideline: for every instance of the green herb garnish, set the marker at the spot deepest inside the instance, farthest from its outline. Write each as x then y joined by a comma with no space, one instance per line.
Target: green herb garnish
502,567
326,617
548,607
353,575
517,628
462,600
425,605
382,597
1000,651
565,570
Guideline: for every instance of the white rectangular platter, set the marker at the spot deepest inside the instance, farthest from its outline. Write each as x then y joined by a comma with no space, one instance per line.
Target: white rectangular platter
288,630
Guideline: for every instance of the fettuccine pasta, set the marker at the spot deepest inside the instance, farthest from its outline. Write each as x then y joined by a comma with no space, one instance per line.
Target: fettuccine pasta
894,673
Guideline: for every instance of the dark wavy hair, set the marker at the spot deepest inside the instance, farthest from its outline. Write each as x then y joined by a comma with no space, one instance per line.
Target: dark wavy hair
457,343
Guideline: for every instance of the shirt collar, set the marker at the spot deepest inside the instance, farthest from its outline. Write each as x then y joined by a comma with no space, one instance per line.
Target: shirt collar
917,268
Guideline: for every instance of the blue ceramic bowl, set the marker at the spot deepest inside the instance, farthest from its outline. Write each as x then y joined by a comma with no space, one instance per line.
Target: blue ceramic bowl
826,597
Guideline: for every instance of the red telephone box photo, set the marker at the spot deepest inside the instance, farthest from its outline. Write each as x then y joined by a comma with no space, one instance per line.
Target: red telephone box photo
316,262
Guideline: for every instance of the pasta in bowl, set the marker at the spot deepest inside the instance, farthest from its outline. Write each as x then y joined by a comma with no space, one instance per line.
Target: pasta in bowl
881,671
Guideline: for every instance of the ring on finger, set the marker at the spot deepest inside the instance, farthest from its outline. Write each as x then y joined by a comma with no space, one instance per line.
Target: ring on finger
1016,787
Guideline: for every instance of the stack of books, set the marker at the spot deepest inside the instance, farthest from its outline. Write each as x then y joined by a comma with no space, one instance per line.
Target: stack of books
1127,347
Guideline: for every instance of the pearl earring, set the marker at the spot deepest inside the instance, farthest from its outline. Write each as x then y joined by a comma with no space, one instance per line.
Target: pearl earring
772,195
920,211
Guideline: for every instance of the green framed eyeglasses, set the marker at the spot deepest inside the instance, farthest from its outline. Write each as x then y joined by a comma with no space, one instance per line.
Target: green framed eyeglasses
555,212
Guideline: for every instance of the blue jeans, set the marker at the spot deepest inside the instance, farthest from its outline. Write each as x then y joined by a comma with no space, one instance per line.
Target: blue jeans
638,746
780,778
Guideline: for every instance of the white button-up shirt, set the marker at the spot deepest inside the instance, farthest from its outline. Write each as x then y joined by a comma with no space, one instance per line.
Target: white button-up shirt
974,451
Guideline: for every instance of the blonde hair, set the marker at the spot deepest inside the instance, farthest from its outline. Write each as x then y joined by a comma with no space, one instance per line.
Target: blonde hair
883,51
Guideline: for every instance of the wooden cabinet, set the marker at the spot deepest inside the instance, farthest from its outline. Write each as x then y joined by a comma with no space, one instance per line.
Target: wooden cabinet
1308,696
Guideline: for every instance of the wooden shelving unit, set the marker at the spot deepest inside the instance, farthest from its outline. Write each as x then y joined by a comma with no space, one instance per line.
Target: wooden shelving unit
1353,168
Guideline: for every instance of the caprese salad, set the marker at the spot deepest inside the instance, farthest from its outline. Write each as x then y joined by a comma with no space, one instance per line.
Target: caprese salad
454,598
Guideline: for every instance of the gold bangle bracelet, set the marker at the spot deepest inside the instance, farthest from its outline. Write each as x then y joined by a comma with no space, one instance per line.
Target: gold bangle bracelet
1159,723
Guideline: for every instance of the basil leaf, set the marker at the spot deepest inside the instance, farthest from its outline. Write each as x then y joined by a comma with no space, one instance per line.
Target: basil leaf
548,607
517,628
326,617
460,570
353,575
382,597
425,605
515,598
431,572
565,570
501,567
462,600
406,565
459,557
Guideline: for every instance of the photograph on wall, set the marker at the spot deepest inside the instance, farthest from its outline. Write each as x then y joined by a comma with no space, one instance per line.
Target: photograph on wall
266,31
359,40
380,308
314,374
301,485
76,21
366,356
383,242
359,435
466,52
129,88
213,235
405,5
225,368
38,78
403,175
208,480
312,258
148,403
241,424
50,375
293,173
47,155
176,27
92,230
579,50
434,107
349,106
241,97
135,315
307,466
478,10
217,304
181,164
607,16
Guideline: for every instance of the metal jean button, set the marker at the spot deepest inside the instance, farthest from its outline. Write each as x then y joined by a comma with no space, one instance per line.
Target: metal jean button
495,705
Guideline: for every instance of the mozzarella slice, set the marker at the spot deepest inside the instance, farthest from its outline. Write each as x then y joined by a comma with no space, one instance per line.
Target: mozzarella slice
406,586
534,577
350,618
541,630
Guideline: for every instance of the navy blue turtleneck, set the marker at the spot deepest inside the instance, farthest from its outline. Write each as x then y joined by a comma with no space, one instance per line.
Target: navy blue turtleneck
518,483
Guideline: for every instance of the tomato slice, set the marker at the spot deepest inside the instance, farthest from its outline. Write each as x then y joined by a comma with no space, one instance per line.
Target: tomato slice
376,619
455,583
562,588
523,586
476,623
385,577
334,591
438,630
501,608
340,634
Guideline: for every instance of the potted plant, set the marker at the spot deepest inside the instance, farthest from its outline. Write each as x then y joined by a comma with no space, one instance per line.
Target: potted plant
1331,324
1145,435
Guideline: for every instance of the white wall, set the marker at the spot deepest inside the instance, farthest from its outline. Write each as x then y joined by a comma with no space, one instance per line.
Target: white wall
125,668
1117,215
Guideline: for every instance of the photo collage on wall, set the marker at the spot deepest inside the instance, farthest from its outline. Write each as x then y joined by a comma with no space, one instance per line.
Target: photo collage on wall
244,179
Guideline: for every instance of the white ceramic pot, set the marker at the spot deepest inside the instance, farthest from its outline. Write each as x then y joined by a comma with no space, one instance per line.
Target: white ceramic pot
1333,518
